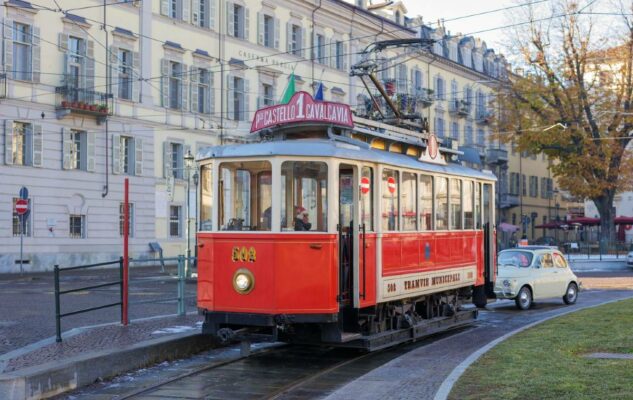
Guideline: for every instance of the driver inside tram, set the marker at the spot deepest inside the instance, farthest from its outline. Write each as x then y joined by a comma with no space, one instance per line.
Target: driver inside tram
301,221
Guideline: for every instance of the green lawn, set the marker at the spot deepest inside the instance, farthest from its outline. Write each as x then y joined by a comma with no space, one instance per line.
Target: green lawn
546,361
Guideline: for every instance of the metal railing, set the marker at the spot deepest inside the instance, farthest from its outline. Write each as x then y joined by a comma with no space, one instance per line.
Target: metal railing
58,293
179,298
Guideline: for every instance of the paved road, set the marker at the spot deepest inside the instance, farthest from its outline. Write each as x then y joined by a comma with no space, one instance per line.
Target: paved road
27,311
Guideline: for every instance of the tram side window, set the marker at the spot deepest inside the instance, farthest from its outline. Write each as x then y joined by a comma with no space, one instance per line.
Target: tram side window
426,202
367,198
478,205
468,205
206,198
389,203
456,204
304,196
441,203
408,196
245,196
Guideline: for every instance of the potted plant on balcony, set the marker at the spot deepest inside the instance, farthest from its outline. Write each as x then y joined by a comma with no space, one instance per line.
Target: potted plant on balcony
93,107
74,104
65,104
102,108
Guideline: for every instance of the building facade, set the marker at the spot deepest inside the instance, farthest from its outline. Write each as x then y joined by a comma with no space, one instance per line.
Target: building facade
93,95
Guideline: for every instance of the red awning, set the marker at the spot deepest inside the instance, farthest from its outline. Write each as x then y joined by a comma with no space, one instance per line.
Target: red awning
623,221
584,221
551,225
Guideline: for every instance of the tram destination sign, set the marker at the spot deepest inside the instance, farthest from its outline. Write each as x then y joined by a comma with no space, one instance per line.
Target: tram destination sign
302,108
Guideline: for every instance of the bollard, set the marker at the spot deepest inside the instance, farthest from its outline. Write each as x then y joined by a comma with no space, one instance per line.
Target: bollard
58,323
181,285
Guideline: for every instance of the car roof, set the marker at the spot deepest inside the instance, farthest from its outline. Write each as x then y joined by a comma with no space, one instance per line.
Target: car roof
532,247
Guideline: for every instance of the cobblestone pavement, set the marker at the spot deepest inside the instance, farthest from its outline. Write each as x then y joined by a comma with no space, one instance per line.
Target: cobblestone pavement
27,314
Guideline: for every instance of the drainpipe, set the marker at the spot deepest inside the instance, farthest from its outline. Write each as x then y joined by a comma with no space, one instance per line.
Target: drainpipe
106,187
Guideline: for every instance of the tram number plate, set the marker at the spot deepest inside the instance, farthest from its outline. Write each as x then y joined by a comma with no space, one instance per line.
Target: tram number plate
243,254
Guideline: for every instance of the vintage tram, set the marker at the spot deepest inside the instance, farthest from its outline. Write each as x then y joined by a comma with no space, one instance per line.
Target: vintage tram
327,231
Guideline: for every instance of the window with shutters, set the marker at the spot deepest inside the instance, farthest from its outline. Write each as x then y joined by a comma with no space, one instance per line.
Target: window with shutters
481,137
22,55
239,22
203,14
175,9
455,130
76,51
296,40
77,226
127,156
238,99
319,50
201,84
523,185
130,229
533,186
78,150
125,74
401,82
175,84
175,221
269,31
439,127
468,133
21,224
340,61
22,144
268,95
440,89
177,160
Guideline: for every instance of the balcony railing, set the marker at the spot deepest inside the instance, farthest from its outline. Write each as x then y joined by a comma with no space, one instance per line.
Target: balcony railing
507,200
459,107
484,116
497,156
70,99
424,96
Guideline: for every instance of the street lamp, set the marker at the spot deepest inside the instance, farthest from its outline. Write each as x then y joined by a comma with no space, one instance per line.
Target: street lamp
196,179
188,158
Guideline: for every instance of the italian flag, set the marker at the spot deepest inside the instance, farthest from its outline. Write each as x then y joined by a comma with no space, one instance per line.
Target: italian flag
290,90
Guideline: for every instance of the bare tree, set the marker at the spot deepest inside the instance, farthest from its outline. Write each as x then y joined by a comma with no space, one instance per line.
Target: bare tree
578,82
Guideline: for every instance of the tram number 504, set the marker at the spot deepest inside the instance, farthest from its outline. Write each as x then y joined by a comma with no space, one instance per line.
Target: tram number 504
391,288
243,254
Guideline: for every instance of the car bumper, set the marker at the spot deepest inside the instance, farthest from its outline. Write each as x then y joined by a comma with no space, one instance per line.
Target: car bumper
505,293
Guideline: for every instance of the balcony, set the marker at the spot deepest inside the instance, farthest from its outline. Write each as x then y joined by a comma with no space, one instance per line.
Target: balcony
459,107
424,96
484,117
69,99
507,200
497,156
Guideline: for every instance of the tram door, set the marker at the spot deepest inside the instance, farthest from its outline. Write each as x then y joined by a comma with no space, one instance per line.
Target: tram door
347,232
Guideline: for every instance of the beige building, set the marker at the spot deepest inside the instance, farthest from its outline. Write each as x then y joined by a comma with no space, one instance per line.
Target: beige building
85,107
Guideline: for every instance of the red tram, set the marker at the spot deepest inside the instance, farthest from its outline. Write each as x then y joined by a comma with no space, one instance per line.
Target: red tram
326,232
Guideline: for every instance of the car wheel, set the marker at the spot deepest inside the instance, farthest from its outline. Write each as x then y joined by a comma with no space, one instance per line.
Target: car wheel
571,295
524,298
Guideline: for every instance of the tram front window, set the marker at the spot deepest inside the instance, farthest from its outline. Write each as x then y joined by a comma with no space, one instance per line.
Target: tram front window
303,196
245,196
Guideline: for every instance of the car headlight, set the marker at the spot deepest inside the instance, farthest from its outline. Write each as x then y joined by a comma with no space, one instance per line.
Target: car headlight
243,281
506,283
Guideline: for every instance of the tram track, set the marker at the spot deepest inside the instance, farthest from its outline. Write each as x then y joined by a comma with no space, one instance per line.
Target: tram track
281,372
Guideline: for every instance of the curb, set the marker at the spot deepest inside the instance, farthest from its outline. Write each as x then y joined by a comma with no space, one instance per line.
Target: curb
446,387
57,377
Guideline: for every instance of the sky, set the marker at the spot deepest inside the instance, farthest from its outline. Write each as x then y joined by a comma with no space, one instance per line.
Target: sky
431,11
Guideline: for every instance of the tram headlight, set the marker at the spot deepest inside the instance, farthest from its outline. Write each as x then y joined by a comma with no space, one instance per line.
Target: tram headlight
243,281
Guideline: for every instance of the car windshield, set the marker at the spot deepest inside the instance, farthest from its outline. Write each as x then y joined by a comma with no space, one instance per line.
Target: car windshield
515,257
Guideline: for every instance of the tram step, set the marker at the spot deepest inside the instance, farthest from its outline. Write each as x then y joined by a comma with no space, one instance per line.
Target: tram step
349,336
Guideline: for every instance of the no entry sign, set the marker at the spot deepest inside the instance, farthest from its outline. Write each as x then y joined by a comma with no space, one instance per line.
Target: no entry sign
391,184
21,206
364,185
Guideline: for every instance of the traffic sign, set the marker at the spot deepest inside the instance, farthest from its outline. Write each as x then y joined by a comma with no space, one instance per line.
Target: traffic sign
21,206
364,185
391,184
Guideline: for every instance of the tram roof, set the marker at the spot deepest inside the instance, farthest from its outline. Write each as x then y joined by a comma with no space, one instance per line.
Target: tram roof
336,149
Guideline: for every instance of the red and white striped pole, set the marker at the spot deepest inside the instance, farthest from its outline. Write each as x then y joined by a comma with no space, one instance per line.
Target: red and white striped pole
126,230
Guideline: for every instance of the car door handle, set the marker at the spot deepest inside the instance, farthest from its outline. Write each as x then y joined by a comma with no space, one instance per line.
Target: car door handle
316,246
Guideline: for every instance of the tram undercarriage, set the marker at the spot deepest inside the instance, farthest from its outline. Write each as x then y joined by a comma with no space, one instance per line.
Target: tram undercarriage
371,328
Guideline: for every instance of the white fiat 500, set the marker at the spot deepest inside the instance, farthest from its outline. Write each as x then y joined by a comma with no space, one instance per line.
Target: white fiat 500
533,273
